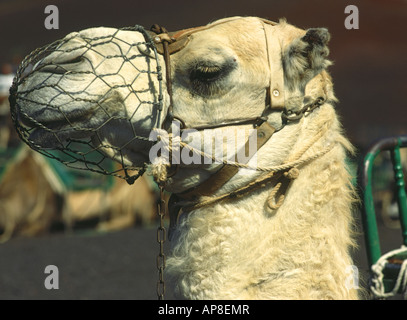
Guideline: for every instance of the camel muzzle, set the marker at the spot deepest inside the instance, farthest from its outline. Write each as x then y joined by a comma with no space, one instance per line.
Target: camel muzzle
57,113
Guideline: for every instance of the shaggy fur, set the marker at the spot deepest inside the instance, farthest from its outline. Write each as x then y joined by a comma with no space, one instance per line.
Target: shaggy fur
240,250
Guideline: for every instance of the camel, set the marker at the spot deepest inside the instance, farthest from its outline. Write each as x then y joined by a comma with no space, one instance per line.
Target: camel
28,201
116,208
280,225
33,199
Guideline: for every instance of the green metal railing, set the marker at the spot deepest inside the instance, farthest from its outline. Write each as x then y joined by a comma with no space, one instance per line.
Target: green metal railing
372,239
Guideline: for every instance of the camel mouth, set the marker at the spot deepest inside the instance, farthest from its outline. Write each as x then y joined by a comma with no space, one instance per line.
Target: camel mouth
46,127
55,126
53,134
56,139
25,120
48,118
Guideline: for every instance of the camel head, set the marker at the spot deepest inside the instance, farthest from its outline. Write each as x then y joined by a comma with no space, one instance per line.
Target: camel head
106,88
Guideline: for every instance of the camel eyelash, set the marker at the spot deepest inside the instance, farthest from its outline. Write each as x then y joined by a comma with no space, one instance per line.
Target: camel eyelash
205,73
208,69
205,77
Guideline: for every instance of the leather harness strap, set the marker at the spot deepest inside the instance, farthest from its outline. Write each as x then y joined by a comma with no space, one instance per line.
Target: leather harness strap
225,173
177,40
168,43
273,46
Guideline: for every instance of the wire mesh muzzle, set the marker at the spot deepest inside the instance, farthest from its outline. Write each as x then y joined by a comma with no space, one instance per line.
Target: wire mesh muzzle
58,82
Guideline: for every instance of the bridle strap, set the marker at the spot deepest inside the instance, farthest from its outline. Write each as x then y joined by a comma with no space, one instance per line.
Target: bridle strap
168,43
275,94
164,39
178,39
226,172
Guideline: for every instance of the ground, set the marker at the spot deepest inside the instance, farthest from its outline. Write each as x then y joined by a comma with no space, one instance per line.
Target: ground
119,265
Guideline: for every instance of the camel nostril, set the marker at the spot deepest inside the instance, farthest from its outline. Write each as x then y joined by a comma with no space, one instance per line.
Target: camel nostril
61,67
76,60
44,60
52,68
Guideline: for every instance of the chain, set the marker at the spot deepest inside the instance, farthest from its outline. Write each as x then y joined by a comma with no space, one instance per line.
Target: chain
289,115
161,237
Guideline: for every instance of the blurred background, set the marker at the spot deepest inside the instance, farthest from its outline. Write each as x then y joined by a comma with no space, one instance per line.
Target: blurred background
48,215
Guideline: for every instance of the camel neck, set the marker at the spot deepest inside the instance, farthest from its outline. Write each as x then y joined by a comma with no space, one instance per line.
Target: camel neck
240,250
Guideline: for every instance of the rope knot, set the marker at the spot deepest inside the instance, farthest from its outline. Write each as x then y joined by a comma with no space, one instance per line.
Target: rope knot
159,172
292,174
160,160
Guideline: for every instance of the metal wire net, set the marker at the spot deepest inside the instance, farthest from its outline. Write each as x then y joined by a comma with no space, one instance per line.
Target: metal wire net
50,84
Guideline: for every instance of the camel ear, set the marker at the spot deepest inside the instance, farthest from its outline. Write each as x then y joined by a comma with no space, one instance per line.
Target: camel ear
306,57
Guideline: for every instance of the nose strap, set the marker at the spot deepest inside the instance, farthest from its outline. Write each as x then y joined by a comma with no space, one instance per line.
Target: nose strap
215,181
275,93
226,172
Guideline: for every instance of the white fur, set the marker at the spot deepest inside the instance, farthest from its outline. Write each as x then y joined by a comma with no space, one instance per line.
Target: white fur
239,250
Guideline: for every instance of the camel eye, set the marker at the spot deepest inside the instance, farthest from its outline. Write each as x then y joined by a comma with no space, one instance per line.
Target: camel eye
206,77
